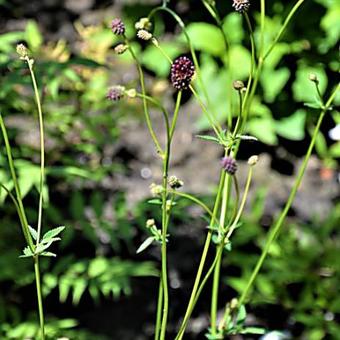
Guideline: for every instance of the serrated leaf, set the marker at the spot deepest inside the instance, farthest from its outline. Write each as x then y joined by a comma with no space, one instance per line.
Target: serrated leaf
145,244
208,138
53,232
33,232
27,252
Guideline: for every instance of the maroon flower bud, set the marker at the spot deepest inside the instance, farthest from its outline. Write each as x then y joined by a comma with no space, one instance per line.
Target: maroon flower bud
115,93
241,6
117,26
182,71
229,165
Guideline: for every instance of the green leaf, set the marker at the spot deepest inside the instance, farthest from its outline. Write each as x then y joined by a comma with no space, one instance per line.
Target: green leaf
232,27
27,252
33,232
334,150
208,138
263,129
79,287
145,244
156,201
314,105
292,127
303,89
97,267
253,330
48,254
242,315
33,36
273,81
52,233
206,37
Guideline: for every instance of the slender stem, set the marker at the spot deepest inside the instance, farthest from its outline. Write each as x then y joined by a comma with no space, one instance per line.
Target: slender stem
145,105
263,17
165,217
275,230
174,120
25,228
159,105
42,147
191,303
159,310
39,295
283,28
216,279
215,125
15,202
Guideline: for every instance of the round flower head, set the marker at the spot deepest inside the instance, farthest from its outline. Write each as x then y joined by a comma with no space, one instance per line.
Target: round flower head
229,165
117,26
115,93
241,6
182,71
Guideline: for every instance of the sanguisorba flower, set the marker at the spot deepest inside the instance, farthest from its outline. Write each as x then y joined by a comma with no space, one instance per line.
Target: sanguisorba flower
117,26
115,93
229,165
241,6
182,71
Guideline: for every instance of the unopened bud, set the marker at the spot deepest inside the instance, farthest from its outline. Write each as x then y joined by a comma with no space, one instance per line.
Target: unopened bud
144,35
314,78
132,93
150,223
233,303
156,189
238,85
175,183
120,48
143,24
22,50
253,160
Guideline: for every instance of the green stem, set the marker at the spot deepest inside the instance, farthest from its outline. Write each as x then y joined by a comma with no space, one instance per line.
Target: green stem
215,125
275,230
216,278
159,310
42,147
39,295
283,28
165,218
145,105
15,202
25,228
191,303
263,16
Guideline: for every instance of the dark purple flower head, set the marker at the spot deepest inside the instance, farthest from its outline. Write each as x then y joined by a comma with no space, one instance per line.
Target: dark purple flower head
117,26
115,93
241,6
229,165
182,71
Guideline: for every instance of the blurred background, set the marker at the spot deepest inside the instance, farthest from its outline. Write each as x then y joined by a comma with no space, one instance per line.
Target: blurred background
101,162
